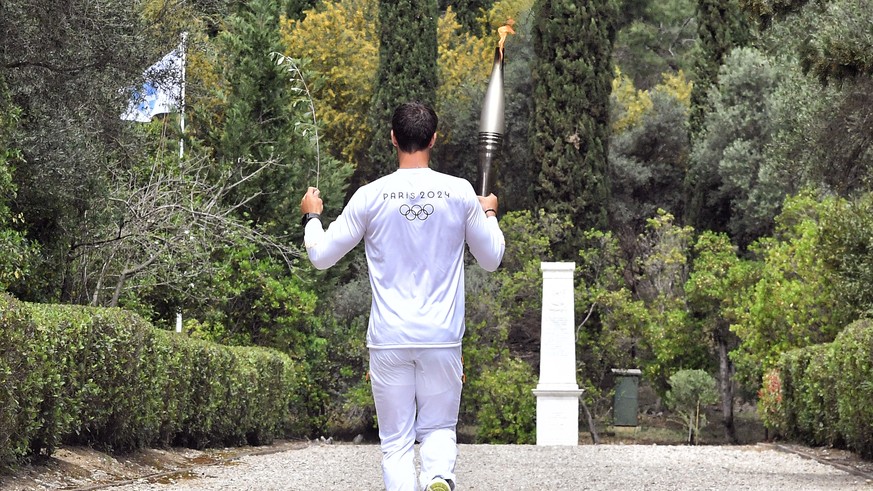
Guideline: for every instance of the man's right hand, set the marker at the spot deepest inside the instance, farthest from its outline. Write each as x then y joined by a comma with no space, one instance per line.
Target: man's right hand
311,202
489,203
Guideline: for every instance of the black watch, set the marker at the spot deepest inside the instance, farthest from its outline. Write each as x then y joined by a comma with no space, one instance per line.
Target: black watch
309,216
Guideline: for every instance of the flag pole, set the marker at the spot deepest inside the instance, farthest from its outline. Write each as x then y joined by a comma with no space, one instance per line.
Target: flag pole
184,47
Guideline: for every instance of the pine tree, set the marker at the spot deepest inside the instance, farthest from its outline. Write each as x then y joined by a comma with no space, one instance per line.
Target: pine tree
572,82
407,71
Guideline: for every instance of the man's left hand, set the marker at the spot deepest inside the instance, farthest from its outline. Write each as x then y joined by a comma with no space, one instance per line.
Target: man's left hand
311,202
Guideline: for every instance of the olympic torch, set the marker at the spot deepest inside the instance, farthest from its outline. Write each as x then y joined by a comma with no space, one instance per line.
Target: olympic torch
491,121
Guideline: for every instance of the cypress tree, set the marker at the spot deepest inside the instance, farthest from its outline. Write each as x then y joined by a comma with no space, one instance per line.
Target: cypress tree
721,27
407,71
572,76
468,12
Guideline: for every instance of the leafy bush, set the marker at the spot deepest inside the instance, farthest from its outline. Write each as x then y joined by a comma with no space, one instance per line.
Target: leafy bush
20,380
507,408
853,373
689,390
770,407
809,411
826,392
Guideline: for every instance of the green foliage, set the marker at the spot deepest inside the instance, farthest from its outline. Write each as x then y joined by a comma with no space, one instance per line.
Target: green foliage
341,40
254,301
721,27
770,407
655,37
648,151
846,245
799,145
807,406
530,239
735,189
837,46
503,315
340,398
107,378
468,13
716,279
18,252
826,392
852,366
766,10
507,409
793,302
670,340
266,119
571,85
821,137
689,390
70,135
22,374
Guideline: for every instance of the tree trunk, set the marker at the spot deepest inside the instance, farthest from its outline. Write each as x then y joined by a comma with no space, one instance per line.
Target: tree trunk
591,428
726,385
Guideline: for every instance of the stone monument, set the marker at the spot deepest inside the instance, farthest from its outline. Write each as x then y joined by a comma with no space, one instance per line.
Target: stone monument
557,392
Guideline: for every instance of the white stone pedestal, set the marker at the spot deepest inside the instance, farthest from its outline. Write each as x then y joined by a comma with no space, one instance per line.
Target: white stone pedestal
557,392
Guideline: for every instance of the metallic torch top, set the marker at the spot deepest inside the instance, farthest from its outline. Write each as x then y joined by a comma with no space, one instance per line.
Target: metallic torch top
491,119
491,122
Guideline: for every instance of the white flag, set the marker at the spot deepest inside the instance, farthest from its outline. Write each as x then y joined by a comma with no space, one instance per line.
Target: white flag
162,91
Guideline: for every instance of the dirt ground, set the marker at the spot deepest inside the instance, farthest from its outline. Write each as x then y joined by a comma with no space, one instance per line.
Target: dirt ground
85,469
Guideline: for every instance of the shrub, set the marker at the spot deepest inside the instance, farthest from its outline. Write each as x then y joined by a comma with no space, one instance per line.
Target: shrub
689,390
21,376
770,402
853,368
507,408
107,378
826,392
809,408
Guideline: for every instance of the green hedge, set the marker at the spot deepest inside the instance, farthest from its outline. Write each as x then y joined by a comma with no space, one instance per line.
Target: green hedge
107,378
810,403
827,389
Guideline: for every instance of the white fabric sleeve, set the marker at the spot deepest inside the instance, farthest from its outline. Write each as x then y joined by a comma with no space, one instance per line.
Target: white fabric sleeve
325,248
484,238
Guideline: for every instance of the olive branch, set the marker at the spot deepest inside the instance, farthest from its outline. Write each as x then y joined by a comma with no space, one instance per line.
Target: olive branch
293,66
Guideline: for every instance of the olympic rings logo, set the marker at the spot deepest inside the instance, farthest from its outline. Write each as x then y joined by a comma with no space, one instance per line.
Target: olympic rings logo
416,212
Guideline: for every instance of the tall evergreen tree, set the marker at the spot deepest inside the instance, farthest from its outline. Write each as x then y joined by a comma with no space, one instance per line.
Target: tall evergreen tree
468,12
721,27
261,115
572,77
407,71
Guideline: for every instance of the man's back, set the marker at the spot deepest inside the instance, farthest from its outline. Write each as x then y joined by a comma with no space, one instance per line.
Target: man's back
414,223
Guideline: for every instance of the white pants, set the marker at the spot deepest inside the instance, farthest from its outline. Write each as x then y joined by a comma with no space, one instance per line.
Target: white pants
426,381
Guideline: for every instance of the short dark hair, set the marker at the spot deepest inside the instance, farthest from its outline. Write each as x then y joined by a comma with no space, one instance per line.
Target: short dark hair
414,124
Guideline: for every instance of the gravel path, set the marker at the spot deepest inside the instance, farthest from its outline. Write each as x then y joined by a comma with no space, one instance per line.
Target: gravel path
489,467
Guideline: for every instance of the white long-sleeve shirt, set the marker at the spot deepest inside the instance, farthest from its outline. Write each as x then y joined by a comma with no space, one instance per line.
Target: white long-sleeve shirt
414,223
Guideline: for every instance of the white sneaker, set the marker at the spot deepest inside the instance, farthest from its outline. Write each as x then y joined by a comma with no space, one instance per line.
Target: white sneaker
439,484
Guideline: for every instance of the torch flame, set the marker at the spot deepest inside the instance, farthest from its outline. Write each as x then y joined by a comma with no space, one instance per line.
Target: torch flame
503,31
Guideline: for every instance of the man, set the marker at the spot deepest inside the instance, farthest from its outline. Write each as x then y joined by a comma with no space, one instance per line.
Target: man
414,223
